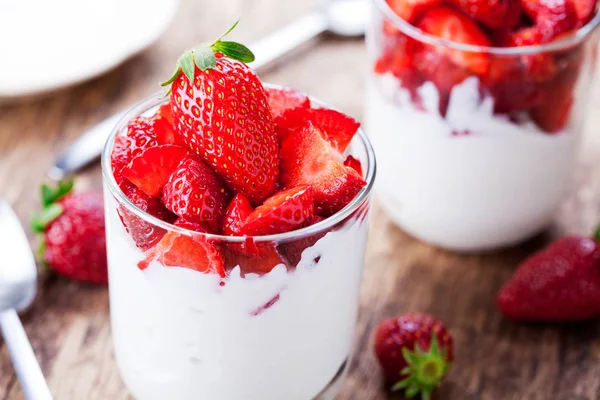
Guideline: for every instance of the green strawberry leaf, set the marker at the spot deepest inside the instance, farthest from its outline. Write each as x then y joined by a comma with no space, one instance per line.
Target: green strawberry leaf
234,50
40,221
51,195
186,62
172,78
205,58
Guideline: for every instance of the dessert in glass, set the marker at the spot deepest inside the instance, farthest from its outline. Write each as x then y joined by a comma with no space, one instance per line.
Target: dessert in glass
237,219
475,110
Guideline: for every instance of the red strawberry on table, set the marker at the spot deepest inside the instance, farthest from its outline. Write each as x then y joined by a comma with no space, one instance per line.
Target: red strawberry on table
495,14
283,99
195,193
150,170
415,352
221,113
411,10
72,224
559,283
308,158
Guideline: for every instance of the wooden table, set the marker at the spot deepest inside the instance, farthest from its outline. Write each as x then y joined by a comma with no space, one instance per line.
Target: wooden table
495,359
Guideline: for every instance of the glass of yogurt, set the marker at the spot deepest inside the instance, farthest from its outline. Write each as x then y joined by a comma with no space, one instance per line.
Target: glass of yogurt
184,334
476,145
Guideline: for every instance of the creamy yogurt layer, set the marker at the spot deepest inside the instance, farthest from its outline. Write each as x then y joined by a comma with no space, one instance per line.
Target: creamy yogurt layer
181,334
472,180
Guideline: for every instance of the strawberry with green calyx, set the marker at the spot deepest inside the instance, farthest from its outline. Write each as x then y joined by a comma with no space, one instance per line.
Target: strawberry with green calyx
72,224
415,352
221,113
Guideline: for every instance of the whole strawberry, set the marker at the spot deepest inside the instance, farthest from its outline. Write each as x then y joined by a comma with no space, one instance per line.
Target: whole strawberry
72,224
221,112
415,352
559,283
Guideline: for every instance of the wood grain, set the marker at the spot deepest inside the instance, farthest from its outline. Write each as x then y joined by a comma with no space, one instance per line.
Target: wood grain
495,359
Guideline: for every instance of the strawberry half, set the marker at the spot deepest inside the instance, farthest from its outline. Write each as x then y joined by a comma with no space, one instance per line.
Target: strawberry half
221,113
495,14
192,226
194,192
144,234
451,25
162,122
281,100
236,214
283,212
338,128
139,137
354,164
267,259
197,253
308,158
151,169
411,10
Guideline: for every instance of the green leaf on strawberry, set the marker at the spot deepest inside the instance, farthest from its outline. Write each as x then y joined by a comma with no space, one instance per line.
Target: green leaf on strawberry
424,371
53,194
203,56
40,221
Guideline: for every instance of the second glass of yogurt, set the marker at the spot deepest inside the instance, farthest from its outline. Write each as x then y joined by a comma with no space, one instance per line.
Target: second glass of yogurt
286,334
478,158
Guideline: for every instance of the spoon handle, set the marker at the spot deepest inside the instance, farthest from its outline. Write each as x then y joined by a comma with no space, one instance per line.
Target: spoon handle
26,365
287,39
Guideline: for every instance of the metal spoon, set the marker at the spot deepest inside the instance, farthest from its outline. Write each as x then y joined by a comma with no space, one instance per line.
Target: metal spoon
18,276
345,18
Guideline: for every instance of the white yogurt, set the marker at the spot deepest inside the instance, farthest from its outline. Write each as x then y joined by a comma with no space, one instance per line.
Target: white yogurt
179,335
471,181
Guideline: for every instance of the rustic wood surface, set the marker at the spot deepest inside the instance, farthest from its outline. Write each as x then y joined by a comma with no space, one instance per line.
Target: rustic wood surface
495,359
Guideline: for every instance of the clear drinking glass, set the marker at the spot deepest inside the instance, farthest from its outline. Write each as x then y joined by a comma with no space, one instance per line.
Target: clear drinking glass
480,157
183,334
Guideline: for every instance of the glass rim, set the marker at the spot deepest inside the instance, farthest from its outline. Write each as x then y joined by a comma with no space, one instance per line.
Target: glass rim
159,98
572,40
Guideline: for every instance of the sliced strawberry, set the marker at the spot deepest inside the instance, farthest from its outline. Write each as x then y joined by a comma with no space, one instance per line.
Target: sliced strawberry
451,25
192,226
411,10
268,259
494,14
338,128
195,253
397,58
555,17
194,192
144,234
162,122
293,250
553,113
354,164
584,11
236,214
281,100
139,137
151,169
282,212
307,158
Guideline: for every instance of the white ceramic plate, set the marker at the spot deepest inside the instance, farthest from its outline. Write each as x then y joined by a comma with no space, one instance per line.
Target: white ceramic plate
49,44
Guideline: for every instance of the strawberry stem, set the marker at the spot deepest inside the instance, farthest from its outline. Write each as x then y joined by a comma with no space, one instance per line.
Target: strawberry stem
203,56
424,371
